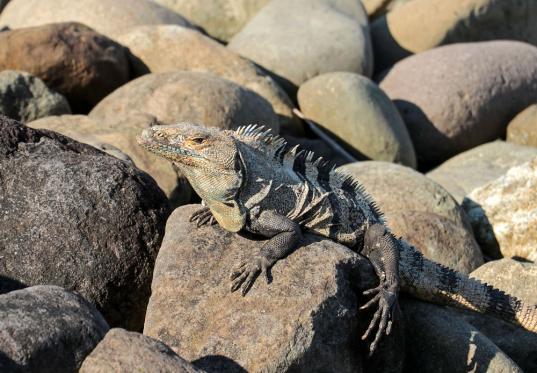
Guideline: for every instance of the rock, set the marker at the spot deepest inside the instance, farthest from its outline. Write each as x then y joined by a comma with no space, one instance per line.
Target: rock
377,8
518,279
221,18
305,320
107,17
523,128
420,25
47,329
75,217
421,211
170,48
503,213
187,96
359,114
478,166
301,39
439,341
71,58
120,137
123,351
3,3
473,90
25,97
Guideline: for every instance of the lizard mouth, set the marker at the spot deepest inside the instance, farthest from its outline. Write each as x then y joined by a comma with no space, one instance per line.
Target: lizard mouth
148,142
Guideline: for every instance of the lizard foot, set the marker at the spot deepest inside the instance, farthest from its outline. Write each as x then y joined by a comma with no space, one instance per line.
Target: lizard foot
203,216
386,297
244,275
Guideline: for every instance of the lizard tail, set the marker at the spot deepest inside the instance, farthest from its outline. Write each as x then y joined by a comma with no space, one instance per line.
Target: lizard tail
433,282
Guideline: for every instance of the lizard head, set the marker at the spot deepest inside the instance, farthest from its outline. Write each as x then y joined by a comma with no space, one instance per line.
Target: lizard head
209,159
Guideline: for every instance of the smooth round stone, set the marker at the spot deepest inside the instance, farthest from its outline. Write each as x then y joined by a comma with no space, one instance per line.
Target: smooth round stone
219,18
421,212
168,48
377,8
419,25
523,128
187,97
107,17
456,97
359,114
301,39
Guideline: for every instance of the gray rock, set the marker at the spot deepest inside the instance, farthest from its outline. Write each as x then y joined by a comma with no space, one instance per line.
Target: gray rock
3,3
304,38
47,329
354,110
168,48
187,96
421,211
305,320
472,91
523,128
25,97
420,25
123,352
476,167
503,213
439,341
110,18
76,217
219,18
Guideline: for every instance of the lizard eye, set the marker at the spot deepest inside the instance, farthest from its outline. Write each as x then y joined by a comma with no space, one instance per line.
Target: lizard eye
197,140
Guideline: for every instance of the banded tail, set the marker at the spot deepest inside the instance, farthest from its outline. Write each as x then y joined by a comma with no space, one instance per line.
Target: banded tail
433,282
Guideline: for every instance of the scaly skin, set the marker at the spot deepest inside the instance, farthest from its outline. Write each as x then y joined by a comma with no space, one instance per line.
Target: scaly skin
250,182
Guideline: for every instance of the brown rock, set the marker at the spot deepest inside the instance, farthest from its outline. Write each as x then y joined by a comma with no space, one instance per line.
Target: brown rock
523,128
187,96
305,320
123,352
478,166
70,58
472,91
503,213
420,211
110,18
168,48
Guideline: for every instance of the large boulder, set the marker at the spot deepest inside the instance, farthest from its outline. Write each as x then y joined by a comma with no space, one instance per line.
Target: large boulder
47,329
219,18
187,96
25,97
421,211
119,139
476,167
439,341
523,128
305,320
359,114
76,217
420,25
503,213
456,97
376,8
123,352
72,59
168,48
301,39
107,17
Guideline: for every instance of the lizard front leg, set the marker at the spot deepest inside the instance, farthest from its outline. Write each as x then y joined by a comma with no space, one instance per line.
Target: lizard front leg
283,234
381,248
203,216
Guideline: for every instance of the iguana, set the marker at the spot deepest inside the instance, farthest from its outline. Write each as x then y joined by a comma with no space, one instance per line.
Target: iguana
250,181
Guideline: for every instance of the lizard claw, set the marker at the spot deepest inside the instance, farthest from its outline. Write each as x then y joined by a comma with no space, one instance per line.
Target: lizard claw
202,217
386,297
244,275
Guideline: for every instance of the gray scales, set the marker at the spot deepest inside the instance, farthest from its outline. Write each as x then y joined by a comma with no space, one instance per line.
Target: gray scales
250,181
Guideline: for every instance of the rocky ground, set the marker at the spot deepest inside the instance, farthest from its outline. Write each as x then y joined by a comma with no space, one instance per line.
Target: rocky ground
432,106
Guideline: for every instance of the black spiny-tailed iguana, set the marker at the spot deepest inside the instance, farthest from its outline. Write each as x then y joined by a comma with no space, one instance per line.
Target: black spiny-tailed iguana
249,181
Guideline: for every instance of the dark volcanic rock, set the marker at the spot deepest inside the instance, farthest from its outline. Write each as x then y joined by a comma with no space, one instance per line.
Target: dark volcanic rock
79,218
47,329
70,58
123,352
